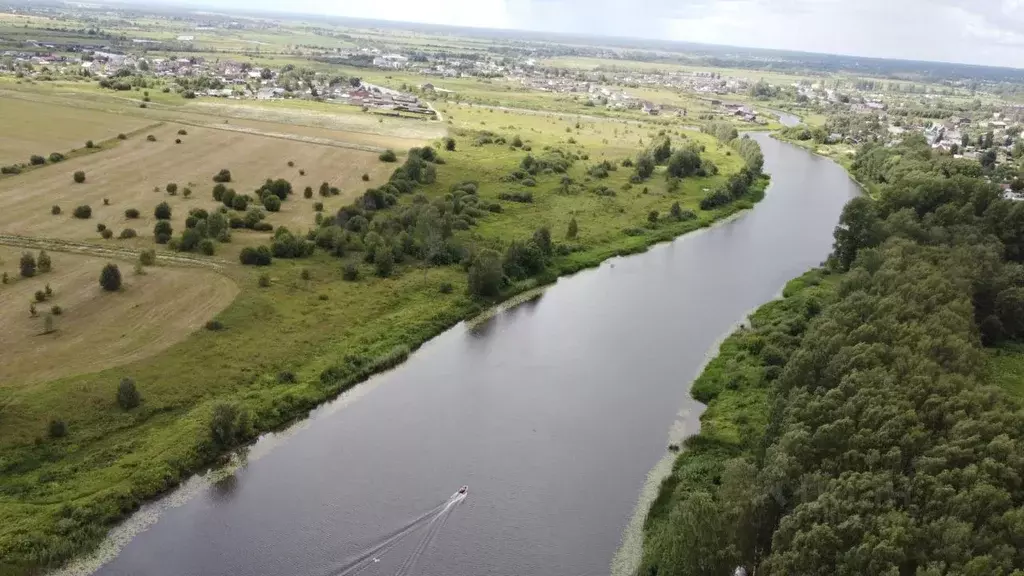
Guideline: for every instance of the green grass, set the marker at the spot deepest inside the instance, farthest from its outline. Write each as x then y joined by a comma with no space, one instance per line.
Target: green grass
1006,368
58,497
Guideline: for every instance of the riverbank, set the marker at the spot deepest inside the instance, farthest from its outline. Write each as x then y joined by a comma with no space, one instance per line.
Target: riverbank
59,497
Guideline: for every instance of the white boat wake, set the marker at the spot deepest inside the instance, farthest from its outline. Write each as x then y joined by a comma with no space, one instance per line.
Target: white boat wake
431,521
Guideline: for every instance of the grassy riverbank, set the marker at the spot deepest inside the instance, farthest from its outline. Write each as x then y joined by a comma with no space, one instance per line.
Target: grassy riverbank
299,333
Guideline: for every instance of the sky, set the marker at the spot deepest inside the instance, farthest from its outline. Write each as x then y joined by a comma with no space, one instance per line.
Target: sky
989,32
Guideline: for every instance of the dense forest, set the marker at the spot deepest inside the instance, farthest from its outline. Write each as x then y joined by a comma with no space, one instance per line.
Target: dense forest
850,429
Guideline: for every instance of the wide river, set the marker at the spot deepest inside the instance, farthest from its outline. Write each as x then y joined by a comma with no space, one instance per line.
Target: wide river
553,412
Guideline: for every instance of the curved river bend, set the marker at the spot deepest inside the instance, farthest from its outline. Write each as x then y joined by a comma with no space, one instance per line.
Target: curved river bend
552,412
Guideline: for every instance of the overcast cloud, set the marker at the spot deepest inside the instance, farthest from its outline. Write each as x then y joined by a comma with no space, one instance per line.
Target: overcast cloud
973,31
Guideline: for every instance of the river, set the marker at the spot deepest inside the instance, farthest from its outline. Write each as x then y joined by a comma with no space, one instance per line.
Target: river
553,412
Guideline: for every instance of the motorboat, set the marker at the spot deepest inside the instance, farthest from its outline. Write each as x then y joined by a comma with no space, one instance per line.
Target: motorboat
463,490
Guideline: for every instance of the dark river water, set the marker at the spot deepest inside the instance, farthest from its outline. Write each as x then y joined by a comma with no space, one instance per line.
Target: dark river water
553,412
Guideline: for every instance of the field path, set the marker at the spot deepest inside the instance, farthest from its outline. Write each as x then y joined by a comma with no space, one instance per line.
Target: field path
87,249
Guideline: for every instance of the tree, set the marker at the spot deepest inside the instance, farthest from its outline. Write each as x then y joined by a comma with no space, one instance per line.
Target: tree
224,425
388,156
172,188
384,261
652,217
110,278
162,211
644,167
43,263
662,151
573,229
684,163
676,211
127,394
542,237
271,203
28,265
449,144
486,274
79,176
859,227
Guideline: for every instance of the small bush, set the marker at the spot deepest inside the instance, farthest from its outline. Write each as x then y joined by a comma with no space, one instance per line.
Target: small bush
308,192
122,136
89,144
446,288
55,210
162,211
128,233
150,138
449,144
522,197
223,176
186,192
40,296
318,206
285,377
388,156
82,212
147,257
306,274
177,140
106,201
127,394
57,429
37,160
239,202
214,325
56,310
56,157
291,163
110,278
350,273
131,213
264,281
101,227
78,176
271,203
107,234
218,192
44,264
206,247
366,177
182,132
171,188
255,256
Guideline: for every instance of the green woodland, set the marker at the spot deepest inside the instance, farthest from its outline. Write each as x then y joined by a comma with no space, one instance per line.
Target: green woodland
852,427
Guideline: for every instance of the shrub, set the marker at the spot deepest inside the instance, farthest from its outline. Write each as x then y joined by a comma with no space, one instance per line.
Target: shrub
446,288
177,140
107,234
224,429
131,213
255,256
573,229
106,201
43,263
56,157
37,160
223,176
302,172
57,429
32,310
162,211
171,188
218,192
350,273
239,202
40,296
186,192
149,138
206,247
79,176
366,177
264,281
291,163
325,189
128,233
163,227
101,227
388,156
147,257
182,132
271,203
89,144
384,262
55,210
318,206
285,377
82,212
486,274
110,278
449,144
122,136
308,192
56,310
127,394
214,325
652,216
523,197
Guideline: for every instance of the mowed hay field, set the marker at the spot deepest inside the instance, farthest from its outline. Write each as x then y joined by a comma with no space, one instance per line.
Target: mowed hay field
28,128
98,329
127,175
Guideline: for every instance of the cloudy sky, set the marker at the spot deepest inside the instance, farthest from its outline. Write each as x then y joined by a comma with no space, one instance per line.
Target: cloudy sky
973,31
